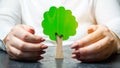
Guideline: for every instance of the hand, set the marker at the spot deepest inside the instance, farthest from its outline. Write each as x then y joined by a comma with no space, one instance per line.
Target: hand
22,44
98,45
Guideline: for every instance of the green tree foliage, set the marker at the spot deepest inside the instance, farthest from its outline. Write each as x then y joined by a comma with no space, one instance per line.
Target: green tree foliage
59,21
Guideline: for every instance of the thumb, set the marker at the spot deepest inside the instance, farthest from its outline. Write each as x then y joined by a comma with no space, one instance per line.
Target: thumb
29,29
92,28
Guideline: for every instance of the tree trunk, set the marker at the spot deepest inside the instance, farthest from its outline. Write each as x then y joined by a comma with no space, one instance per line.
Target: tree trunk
59,51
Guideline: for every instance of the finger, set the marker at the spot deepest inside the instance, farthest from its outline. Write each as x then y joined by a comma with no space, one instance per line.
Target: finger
10,54
75,46
28,59
20,54
95,57
97,47
75,54
34,39
92,28
94,52
89,39
24,46
27,37
28,28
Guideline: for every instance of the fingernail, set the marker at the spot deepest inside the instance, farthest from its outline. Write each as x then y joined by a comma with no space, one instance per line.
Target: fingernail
73,56
74,45
43,52
42,39
39,58
31,30
44,46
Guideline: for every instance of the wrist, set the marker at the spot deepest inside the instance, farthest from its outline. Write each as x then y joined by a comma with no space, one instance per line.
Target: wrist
117,43
2,45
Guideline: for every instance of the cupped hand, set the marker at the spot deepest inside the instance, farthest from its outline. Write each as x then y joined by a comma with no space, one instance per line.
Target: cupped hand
22,44
98,45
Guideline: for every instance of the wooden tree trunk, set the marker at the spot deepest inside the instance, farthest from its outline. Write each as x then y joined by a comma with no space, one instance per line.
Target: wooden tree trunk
59,50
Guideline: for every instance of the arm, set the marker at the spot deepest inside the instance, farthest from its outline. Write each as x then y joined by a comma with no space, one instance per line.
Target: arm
108,12
9,16
20,40
102,40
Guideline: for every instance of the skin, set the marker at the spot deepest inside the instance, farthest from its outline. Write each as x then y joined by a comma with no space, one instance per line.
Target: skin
98,45
22,44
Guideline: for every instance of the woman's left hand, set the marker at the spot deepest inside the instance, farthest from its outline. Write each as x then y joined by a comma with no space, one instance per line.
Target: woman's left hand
98,45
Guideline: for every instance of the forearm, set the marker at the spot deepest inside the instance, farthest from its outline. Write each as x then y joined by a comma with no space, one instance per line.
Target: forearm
107,12
117,40
113,25
10,15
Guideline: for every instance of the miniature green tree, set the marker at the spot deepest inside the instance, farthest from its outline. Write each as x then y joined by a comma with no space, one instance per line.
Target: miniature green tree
59,24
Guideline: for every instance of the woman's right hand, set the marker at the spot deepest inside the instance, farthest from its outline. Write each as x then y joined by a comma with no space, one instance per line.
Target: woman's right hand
22,44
